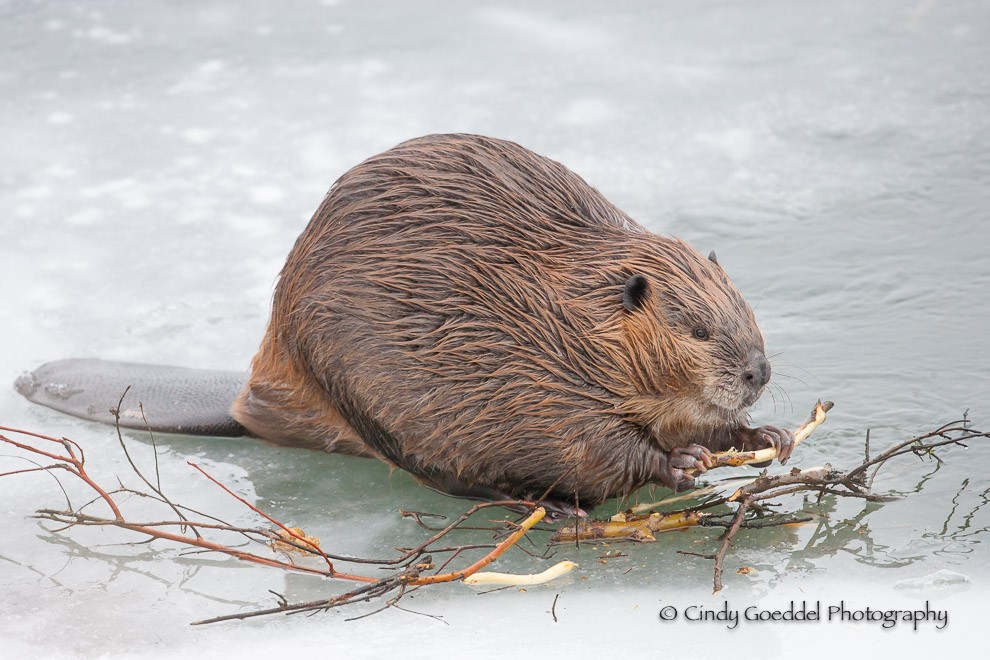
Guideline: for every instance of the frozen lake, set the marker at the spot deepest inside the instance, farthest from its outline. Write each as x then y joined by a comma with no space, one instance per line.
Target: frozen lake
160,159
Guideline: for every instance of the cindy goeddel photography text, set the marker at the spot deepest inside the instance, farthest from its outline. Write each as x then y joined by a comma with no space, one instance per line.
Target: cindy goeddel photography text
809,612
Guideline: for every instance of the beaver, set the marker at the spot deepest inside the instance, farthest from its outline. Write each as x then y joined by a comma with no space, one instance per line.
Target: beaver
479,316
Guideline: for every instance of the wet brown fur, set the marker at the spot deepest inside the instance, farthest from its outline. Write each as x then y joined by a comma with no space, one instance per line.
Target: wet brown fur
455,308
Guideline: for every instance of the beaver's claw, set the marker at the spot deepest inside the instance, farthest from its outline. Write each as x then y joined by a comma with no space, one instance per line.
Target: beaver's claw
780,439
692,457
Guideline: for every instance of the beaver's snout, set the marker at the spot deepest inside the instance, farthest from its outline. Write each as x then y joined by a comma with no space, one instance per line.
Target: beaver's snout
757,372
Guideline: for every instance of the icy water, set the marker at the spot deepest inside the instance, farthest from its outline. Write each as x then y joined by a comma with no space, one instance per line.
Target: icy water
160,159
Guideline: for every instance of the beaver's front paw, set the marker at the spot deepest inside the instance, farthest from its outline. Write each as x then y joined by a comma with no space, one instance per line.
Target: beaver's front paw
692,457
780,439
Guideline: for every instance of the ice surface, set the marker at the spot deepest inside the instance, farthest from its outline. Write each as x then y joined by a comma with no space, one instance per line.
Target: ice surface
160,159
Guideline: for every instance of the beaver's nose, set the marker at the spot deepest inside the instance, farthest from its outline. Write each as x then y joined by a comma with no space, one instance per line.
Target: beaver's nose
757,372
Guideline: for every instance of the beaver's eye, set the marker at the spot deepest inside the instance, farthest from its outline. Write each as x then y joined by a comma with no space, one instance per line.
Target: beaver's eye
701,333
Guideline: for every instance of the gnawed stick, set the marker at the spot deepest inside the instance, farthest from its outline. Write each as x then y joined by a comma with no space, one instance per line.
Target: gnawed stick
514,580
737,458
634,528
535,516
717,488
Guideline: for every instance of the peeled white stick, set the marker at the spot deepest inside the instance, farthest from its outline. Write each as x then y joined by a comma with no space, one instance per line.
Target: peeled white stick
509,579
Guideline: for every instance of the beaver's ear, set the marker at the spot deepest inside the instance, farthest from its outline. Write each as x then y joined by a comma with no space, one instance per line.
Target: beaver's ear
712,258
636,292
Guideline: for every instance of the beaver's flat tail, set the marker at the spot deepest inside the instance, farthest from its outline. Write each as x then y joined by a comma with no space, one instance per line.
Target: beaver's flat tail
174,399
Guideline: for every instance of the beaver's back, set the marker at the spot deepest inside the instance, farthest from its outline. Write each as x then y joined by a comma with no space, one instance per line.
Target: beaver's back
441,213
